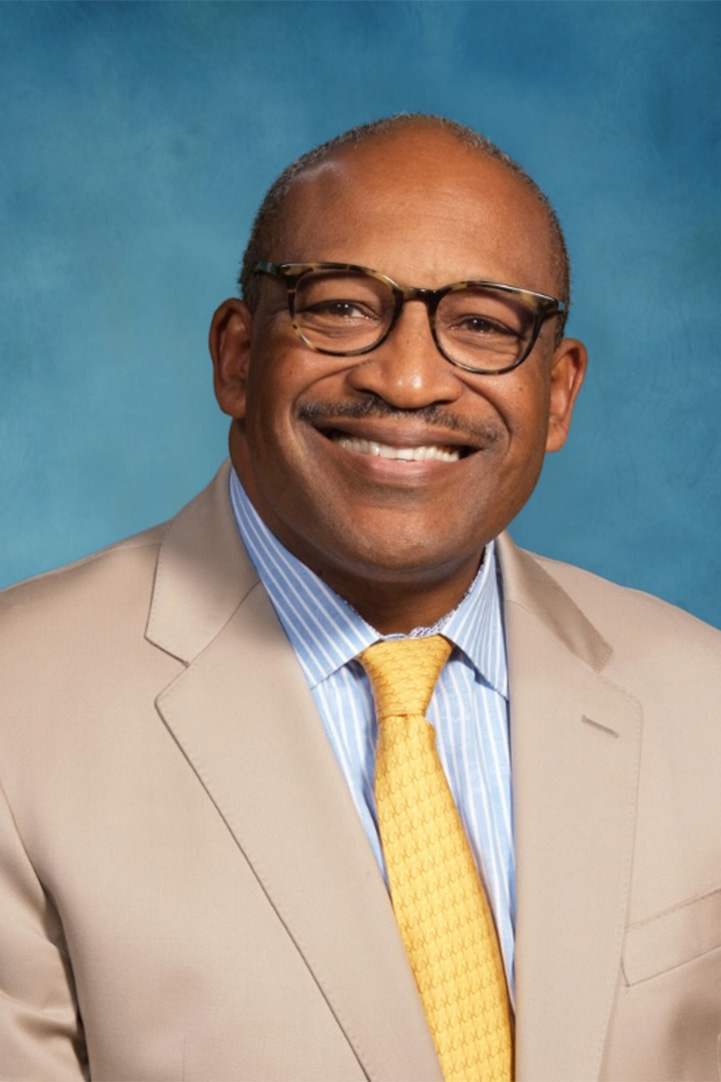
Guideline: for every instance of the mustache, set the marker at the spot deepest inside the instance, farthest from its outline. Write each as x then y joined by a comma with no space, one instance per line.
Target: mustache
318,413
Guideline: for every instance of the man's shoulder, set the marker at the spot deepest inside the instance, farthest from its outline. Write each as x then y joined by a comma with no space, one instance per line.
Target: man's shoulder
101,573
663,657
126,565
178,580
77,617
634,622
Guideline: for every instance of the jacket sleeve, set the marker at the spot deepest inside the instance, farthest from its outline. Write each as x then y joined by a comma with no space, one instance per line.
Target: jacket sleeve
41,1036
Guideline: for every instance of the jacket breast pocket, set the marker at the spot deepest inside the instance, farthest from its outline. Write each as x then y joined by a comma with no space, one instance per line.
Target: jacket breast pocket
667,1017
672,938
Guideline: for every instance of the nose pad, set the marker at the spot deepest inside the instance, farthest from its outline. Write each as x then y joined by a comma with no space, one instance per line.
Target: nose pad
407,370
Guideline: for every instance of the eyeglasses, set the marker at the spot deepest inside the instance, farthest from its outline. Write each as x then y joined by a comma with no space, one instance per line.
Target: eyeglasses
345,311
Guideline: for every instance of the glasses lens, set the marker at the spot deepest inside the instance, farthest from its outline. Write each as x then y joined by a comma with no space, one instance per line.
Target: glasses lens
484,328
341,312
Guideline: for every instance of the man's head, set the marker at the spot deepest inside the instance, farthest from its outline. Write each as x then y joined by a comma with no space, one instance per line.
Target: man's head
269,222
388,472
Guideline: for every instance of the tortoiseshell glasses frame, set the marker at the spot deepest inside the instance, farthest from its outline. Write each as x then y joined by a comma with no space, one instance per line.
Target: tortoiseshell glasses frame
503,344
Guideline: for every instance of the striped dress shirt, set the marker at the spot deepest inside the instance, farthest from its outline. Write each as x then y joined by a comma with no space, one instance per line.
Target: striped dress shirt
469,707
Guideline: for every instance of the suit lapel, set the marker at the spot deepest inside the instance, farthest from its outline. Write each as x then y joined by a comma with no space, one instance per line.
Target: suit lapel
244,717
575,753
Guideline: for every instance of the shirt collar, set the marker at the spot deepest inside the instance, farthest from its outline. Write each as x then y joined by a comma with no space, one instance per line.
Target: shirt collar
326,632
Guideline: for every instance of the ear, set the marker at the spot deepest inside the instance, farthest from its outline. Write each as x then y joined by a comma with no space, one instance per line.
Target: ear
229,342
568,368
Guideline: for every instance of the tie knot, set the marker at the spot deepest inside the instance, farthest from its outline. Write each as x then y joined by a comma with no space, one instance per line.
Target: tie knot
403,673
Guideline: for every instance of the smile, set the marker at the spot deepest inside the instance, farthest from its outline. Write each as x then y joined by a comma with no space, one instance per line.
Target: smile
375,449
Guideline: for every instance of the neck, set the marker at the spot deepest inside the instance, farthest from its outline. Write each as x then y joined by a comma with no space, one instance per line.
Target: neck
398,608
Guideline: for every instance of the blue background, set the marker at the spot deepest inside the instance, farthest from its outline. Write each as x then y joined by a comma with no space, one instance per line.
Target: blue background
137,140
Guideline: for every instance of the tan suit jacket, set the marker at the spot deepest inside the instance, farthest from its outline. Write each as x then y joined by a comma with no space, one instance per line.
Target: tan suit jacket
186,891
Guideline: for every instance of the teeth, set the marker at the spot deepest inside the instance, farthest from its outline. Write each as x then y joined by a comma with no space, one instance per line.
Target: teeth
399,454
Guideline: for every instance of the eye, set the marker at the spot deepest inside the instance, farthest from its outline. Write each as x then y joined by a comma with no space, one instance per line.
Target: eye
475,324
482,317
338,309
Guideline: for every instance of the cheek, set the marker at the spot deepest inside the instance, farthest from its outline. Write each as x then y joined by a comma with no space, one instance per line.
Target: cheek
525,404
288,380
274,437
521,407
270,392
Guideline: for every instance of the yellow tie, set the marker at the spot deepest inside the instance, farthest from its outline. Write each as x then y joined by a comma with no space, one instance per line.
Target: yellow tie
439,902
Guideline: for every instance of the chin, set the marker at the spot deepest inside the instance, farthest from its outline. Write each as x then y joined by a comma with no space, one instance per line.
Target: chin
399,562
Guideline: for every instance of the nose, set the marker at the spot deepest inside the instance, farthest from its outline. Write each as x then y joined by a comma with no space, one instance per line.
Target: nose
407,370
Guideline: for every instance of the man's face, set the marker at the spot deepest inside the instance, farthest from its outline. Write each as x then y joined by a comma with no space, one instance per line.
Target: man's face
426,211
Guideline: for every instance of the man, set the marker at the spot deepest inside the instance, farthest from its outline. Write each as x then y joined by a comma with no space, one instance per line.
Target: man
193,880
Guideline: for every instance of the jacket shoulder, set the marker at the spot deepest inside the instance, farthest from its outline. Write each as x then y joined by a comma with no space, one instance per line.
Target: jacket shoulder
106,580
632,621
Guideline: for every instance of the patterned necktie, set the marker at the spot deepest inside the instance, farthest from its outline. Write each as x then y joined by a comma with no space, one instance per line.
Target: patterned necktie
439,902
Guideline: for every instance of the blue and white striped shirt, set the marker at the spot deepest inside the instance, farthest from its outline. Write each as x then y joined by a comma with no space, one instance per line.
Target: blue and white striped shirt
469,707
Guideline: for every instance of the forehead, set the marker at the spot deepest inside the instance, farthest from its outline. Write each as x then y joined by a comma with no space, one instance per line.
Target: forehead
423,208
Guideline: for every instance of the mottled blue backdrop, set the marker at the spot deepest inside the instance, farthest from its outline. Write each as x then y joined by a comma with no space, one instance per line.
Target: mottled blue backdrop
137,140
